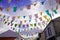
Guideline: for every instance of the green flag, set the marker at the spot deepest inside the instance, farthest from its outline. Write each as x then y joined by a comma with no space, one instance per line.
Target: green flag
55,11
35,24
15,8
15,25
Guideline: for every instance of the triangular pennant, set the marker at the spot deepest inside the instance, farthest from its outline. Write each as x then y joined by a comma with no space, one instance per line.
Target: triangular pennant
24,21
8,23
15,25
21,22
12,21
55,11
45,17
35,20
34,24
18,30
18,17
4,16
29,20
42,3
5,22
36,15
15,8
35,4
8,17
31,25
40,26
47,11
23,26
13,18
24,16
28,6
30,16
13,28
11,24
8,9
40,18
27,25
19,25
41,13
57,7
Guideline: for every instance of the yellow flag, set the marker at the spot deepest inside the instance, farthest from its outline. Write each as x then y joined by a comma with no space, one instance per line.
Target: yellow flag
24,21
45,17
18,17
40,13
48,19
35,4
40,26
8,9
31,25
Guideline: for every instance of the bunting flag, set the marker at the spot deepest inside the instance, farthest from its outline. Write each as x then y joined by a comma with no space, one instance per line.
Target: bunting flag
15,8
8,23
57,7
21,22
5,22
19,25
40,18
12,21
30,16
35,4
47,11
13,18
31,25
34,24
23,26
24,16
24,21
1,8
27,25
36,15
41,13
15,25
40,26
4,16
55,11
42,3
11,24
28,6
18,17
45,17
29,20
8,9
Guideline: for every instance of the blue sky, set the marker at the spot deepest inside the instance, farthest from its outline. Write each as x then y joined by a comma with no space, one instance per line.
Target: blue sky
20,3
